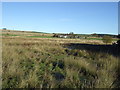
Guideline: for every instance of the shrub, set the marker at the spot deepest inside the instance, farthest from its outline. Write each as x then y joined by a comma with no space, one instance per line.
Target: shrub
118,42
107,39
55,35
4,28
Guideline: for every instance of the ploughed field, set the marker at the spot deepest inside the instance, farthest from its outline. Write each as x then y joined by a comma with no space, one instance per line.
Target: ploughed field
29,62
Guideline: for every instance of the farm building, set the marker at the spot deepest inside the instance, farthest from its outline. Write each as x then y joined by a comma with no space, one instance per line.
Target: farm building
66,36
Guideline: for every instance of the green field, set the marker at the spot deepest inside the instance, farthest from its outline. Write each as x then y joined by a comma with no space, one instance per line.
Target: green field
40,36
9,35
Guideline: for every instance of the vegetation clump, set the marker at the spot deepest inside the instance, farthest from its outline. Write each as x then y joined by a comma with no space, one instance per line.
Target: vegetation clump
118,42
107,39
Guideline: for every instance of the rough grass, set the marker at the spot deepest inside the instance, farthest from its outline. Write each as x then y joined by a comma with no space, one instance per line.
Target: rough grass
46,63
40,36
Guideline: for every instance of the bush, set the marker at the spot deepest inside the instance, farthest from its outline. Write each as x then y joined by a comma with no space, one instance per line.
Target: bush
118,42
118,36
55,35
107,39
4,28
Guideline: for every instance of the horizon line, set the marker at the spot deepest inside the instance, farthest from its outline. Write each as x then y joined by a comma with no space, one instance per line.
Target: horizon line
56,32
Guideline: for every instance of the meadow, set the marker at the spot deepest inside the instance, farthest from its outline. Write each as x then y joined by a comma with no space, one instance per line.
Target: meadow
34,60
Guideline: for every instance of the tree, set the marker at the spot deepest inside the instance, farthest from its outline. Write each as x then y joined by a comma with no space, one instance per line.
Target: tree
107,39
4,28
55,35
95,34
118,36
71,33
118,42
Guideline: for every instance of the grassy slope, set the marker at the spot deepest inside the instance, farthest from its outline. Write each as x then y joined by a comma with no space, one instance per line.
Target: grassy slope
44,62
38,35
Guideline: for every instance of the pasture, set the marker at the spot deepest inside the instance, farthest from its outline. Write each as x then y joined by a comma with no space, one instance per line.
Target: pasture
37,60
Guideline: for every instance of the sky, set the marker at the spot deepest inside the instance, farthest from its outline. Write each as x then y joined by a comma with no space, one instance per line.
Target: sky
61,17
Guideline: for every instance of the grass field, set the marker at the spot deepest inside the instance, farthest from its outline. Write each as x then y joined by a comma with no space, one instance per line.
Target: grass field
33,60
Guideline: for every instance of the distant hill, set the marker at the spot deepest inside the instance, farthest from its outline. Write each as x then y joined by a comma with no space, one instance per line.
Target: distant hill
7,30
101,35
45,33
24,33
